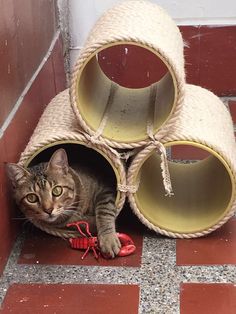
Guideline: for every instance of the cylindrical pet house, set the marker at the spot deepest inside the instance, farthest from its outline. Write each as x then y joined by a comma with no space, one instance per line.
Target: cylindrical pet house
119,114
204,191
57,128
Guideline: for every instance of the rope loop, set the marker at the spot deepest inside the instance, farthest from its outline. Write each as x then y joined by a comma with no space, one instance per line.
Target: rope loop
98,141
165,172
160,147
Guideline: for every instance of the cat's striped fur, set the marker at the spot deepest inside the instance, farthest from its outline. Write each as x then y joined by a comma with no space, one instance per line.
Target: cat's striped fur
83,196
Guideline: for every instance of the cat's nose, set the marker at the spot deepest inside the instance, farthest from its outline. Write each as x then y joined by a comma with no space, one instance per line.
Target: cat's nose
48,210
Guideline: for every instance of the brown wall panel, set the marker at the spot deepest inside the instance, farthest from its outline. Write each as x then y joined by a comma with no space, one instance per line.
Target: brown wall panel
210,58
17,135
58,66
26,30
21,127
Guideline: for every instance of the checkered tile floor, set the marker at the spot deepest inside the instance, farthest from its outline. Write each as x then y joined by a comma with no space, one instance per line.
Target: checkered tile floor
164,276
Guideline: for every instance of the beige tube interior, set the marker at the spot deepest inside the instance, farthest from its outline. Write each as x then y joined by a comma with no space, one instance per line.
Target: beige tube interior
203,192
130,109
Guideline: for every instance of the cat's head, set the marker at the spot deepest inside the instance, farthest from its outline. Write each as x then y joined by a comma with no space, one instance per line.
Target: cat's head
46,191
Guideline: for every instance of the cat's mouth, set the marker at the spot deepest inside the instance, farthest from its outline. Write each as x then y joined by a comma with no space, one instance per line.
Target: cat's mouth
58,217
52,217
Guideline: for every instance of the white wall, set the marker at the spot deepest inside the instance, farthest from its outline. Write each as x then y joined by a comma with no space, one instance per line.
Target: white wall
84,13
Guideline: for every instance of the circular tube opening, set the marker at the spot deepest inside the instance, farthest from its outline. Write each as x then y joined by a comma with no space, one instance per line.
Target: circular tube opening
131,66
145,90
203,192
80,154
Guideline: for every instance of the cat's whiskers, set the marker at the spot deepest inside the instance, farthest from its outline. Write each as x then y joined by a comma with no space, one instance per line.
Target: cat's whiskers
61,213
78,203
80,197
71,208
75,202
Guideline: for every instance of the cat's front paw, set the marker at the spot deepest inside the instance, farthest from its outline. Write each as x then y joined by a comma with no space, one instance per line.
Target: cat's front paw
109,244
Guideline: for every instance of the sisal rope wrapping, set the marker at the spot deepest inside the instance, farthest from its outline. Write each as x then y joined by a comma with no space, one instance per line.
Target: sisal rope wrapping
58,125
205,122
149,26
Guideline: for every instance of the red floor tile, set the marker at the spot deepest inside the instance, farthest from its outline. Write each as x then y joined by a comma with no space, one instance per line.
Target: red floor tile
65,298
207,298
232,108
41,248
215,249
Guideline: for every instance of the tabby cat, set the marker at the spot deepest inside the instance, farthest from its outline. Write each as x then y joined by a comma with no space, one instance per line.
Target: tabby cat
56,194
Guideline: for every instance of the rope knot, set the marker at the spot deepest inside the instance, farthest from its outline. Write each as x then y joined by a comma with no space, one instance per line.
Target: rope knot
94,139
127,188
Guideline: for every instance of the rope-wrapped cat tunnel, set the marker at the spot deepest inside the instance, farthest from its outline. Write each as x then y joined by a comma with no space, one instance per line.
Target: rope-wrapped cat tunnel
98,113
124,117
204,191
58,127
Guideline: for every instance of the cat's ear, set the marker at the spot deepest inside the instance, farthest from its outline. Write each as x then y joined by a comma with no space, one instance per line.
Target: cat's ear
59,162
16,174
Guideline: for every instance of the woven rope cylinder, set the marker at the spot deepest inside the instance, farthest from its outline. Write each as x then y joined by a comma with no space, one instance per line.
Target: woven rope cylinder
204,191
127,112
56,128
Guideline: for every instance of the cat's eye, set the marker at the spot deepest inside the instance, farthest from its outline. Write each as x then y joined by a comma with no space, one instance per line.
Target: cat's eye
57,190
32,198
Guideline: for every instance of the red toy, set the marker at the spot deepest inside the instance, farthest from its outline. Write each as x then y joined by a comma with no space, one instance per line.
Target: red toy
88,242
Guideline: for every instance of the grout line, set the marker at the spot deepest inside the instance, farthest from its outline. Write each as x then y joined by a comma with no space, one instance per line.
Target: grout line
29,84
